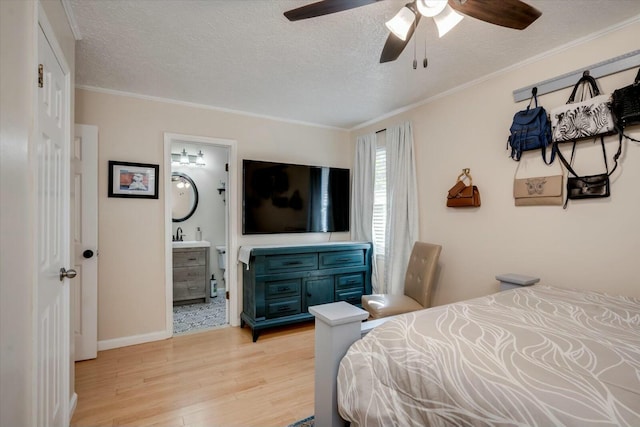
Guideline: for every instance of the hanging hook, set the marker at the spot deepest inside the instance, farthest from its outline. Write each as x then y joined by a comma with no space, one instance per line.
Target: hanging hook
534,92
465,172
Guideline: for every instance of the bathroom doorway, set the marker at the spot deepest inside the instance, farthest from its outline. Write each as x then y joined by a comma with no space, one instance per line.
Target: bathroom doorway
201,291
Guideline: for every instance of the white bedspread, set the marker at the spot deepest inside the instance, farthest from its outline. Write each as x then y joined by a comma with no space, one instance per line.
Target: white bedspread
535,356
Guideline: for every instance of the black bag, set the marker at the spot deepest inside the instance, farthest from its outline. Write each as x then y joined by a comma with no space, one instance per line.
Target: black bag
531,130
589,186
625,104
583,187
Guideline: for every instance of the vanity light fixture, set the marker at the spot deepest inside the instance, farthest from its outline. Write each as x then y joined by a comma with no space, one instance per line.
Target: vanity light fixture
185,159
200,159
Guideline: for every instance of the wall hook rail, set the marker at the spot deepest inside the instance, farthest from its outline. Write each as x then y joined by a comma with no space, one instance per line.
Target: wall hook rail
601,69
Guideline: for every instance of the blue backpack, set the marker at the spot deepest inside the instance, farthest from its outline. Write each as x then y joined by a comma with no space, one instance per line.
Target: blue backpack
531,130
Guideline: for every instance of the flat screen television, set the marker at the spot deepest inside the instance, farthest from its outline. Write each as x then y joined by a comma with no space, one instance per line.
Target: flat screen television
288,198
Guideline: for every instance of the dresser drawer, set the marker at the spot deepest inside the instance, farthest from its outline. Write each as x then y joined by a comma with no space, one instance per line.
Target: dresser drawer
345,281
188,257
289,263
352,296
341,259
283,307
186,274
189,289
282,288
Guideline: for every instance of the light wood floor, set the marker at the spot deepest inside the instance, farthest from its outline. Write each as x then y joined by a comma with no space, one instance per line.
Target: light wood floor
213,378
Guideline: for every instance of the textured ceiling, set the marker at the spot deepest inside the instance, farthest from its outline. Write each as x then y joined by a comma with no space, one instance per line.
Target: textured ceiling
244,55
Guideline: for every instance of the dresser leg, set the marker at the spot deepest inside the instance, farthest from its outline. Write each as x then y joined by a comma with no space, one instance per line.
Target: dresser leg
255,334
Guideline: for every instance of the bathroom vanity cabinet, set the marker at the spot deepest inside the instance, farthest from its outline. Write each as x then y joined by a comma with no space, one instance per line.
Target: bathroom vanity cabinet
282,282
191,275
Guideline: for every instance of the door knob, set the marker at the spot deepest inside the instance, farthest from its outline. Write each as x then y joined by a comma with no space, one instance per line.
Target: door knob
69,274
87,254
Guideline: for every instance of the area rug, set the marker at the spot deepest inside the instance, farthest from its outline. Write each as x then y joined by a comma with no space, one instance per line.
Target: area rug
191,317
307,422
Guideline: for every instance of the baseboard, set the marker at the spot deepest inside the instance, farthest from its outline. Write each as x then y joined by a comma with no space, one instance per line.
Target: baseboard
133,340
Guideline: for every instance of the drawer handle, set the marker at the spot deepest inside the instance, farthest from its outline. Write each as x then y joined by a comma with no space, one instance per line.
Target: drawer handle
292,263
343,259
283,288
193,259
284,308
309,294
352,281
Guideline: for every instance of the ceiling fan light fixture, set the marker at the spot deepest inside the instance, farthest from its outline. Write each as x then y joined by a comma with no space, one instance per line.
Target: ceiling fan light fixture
430,8
446,20
401,23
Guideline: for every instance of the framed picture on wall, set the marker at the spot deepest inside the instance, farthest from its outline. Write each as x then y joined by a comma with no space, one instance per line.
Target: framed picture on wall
137,180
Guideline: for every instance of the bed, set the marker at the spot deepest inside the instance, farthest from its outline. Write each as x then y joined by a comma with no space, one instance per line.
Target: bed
537,355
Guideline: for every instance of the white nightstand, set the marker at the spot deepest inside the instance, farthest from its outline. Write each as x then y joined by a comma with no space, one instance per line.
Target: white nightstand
511,281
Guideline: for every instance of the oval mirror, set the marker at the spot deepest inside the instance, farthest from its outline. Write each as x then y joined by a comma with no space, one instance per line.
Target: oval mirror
184,197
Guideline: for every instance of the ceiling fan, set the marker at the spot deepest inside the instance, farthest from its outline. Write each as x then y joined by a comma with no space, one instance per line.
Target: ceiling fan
507,13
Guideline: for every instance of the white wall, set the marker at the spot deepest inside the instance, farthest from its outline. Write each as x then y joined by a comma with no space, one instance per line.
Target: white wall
591,245
131,289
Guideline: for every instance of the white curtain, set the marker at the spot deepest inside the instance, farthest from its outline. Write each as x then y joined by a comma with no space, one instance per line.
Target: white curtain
402,205
362,190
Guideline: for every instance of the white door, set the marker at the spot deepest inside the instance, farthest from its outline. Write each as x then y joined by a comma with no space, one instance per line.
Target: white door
84,288
51,189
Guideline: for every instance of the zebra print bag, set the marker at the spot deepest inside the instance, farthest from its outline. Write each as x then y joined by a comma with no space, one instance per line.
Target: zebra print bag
588,118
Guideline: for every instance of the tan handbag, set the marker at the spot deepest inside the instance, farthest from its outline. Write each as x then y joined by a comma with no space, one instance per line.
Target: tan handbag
539,190
462,195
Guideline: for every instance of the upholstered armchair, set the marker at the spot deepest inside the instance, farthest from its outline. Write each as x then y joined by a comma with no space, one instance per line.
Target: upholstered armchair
418,283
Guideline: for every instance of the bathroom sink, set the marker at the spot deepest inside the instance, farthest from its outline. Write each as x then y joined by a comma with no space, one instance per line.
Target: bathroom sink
191,244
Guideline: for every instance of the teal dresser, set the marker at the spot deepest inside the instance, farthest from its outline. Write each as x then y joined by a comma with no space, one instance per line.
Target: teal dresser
282,282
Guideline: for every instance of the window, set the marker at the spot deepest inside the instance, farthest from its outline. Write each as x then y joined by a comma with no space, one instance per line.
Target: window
380,200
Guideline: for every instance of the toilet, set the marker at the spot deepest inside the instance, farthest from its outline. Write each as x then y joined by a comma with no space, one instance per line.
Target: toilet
222,264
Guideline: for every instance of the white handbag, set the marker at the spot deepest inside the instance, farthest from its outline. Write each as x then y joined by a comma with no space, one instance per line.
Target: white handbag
584,119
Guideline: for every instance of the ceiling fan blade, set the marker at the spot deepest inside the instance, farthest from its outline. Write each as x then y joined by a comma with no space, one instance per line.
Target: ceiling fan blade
324,7
506,13
394,45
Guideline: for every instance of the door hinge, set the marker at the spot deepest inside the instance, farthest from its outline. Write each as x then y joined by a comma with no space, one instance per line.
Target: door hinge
226,295
40,75
226,167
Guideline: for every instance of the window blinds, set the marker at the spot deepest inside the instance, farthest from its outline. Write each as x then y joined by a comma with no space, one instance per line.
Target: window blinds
380,200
